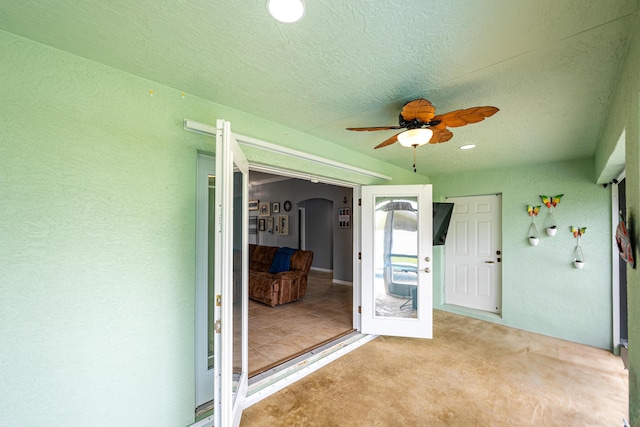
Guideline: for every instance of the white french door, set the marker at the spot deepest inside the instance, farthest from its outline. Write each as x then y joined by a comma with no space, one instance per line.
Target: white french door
222,280
397,280
473,256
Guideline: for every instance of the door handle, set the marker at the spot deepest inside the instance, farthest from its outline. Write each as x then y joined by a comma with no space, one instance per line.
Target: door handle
489,262
427,270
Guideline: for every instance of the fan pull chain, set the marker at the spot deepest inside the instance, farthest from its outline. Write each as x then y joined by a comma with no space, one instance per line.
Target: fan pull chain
414,159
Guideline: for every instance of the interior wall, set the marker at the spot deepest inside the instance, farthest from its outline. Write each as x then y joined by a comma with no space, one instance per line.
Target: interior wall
541,290
296,191
319,231
97,224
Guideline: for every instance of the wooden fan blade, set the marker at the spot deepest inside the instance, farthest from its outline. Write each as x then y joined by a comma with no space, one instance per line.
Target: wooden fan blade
389,141
420,109
440,135
369,129
464,117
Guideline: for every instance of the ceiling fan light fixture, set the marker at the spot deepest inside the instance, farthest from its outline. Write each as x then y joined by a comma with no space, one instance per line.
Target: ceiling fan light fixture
287,11
415,137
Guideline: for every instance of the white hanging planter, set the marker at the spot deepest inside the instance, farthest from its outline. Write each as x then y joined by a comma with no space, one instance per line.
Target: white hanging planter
578,261
550,223
533,235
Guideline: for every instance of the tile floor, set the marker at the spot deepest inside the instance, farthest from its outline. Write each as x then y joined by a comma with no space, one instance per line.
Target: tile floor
277,334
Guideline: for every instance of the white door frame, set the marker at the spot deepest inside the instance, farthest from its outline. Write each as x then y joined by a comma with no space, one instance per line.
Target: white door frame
228,400
615,265
229,158
248,141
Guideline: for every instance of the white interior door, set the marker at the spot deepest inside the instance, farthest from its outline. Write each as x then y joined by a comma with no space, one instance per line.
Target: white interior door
396,260
473,272
222,280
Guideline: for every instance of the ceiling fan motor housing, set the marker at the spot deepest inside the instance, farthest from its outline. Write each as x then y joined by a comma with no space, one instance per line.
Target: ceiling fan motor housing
415,123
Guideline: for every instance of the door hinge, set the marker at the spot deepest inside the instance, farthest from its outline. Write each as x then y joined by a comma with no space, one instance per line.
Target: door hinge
218,300
360,255
359,202
217,327
359,309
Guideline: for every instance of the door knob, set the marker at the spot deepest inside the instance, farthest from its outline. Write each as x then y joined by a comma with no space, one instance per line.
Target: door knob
427,270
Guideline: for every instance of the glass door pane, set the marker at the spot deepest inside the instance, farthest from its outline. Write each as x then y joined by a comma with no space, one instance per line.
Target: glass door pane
211,255
207,341
396,257
238,291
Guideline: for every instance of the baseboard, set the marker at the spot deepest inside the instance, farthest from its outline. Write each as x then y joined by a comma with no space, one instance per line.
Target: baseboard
323,270
342,282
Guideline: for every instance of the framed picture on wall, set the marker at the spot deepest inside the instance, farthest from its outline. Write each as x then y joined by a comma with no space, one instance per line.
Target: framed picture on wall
261,224
275,207
283,225
344,218
264,209
253,205
270,224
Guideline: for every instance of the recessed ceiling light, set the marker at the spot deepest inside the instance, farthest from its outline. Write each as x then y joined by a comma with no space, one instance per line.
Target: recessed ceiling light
287,11
467,147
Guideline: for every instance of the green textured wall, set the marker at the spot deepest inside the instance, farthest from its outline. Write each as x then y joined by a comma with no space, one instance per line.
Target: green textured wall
622,133
541,290
97,224
624,119
97,184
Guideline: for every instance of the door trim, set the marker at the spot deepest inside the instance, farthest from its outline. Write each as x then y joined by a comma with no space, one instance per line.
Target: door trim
277,382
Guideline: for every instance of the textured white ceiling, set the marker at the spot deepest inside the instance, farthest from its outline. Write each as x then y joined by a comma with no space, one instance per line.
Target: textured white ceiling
549,65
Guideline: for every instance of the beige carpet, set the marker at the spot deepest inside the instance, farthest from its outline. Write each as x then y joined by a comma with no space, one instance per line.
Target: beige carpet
473,373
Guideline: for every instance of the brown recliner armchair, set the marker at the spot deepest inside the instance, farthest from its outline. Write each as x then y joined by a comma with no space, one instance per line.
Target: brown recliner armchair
273,288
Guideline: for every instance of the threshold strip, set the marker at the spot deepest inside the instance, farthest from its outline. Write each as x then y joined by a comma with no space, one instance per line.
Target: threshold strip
268,383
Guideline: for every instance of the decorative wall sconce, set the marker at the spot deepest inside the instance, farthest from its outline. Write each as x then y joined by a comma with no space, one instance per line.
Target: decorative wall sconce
534,239
578,261
551,203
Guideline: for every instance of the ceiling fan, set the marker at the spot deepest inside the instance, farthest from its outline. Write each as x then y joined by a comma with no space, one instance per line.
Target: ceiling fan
418,118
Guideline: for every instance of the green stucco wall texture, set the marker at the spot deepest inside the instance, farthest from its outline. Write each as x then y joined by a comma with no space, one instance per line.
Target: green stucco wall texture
623,128
97,224
97,184
541,290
